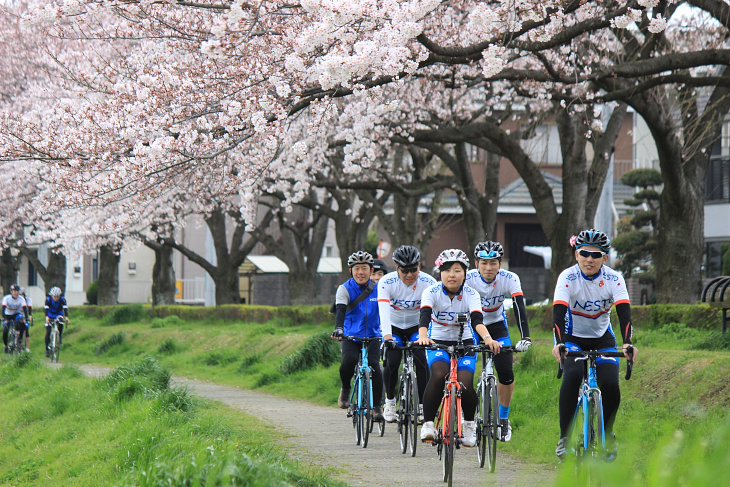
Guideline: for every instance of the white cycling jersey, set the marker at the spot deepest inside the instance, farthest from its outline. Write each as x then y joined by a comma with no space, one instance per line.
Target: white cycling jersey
399,305
12,306
444,311
589,300
504,285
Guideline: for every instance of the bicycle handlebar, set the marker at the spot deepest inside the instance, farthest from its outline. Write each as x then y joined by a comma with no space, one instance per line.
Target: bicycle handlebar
585,354
360,339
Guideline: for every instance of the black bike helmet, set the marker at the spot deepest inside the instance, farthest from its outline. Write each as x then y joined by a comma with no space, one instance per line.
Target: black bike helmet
594,238
14,287
360,257
488,250
379,265
406,256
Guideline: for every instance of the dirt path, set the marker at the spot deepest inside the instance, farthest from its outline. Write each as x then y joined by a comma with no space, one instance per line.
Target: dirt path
324,436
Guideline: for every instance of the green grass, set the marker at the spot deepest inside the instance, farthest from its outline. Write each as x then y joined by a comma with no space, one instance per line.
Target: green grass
675,403
130,428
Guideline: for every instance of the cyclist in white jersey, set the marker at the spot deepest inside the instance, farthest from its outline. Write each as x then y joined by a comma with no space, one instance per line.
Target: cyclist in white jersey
440,306
494,285
584,295
13,306
399,304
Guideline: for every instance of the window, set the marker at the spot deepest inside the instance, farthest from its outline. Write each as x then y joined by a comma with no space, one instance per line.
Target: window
713,258
717,180
32,273
544,146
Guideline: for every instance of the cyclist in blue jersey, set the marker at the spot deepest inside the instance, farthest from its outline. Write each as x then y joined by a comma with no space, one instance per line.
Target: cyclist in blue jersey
441,304
14,307
494,285
360,320
584,296
55,306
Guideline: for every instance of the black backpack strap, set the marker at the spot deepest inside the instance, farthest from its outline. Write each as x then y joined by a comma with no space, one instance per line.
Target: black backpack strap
364,294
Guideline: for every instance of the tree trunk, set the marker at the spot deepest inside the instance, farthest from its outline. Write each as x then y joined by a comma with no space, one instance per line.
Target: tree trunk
53,273
109,274
8,270
163,275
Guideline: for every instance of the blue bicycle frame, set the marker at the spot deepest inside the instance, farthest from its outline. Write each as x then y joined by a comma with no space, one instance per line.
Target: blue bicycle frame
361,400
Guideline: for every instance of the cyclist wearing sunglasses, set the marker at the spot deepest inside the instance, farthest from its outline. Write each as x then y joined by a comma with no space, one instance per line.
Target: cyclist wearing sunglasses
494,285
399,304
584,295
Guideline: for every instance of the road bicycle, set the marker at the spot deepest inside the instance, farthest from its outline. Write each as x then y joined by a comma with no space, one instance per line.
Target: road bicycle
15,340
54,342
587,435
448,421
361,399
487,415
407,397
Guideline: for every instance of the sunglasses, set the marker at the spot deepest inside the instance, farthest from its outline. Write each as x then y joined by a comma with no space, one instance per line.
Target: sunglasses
483,254
408,270
593,255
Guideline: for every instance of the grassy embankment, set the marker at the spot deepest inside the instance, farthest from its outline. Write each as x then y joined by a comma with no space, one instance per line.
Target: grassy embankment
672,427
130,428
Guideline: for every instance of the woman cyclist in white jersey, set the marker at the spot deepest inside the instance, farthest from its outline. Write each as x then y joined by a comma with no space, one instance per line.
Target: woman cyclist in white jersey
399,304
494,285
584,295
440,306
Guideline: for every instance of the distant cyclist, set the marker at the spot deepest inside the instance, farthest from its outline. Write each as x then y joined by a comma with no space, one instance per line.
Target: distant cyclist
55,306
380,268
399,301
361,321
28,323
14,307
440,305
584,295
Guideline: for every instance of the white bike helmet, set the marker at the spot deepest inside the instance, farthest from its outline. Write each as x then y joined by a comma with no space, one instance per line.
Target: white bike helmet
452,255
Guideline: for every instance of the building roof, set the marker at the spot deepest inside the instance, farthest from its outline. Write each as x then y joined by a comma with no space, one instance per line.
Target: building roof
515,197
269,264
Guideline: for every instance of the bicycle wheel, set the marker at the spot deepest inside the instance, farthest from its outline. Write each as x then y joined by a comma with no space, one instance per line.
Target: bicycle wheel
450,436
355,409
412,415
493,422
402,411
581,428
54,345
366,412
479,418
599,440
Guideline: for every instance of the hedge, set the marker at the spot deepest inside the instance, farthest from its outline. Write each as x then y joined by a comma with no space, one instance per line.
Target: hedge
700,316
294,315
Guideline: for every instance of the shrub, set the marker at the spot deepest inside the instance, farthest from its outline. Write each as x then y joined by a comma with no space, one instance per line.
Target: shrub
168,347
171,320
110,342
319,349
220,357
92,292
128,313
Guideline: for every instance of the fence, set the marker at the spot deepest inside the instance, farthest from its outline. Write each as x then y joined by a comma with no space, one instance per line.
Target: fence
190,291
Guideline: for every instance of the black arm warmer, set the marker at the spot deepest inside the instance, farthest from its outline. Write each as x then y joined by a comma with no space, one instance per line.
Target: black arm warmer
340,311
518,306
477,318
559,311
623,311
425,317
